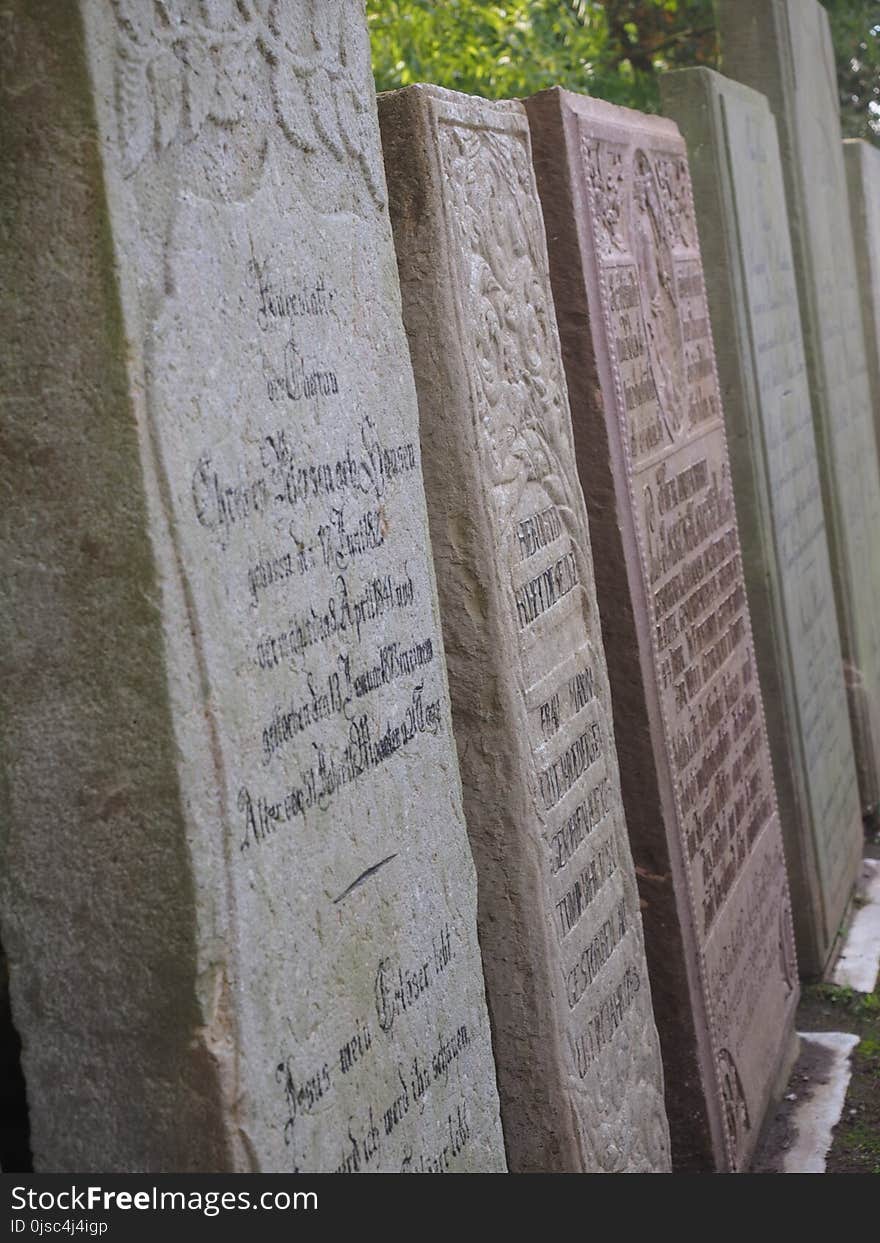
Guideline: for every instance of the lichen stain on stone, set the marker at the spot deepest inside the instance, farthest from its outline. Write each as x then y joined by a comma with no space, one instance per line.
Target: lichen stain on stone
114,803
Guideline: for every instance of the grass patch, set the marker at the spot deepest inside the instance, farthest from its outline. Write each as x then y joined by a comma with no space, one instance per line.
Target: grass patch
828,1007
862,1006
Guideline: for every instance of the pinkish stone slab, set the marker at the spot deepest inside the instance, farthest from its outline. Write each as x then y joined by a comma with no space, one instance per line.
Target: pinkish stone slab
695,766
578,1059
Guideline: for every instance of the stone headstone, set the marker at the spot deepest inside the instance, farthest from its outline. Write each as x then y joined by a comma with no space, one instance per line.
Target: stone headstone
862,161
740,204
695,767
239,904
579,1069
782,48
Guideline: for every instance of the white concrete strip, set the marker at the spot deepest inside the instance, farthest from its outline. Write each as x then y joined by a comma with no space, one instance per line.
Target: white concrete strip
815,1118
859,960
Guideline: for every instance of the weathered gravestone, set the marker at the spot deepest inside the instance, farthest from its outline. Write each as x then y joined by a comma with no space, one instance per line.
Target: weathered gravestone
695,767
862,161
783,49
740,204
239,903
578,1060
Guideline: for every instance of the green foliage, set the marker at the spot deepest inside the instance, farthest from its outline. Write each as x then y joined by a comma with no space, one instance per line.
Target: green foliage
861,1005
862,1142
855,29
610,48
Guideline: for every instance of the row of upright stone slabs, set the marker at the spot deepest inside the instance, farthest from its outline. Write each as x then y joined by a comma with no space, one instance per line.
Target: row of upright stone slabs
783,49
578,1060
862,161
697,783
740,203
239,903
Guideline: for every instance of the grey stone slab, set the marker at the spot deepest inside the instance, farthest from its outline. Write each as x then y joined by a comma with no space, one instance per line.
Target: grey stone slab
862,161
578,1059
782,48
743,223
238,902
694,760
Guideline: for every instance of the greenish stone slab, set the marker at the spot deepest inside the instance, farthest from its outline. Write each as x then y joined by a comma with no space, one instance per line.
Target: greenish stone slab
782,48
862,161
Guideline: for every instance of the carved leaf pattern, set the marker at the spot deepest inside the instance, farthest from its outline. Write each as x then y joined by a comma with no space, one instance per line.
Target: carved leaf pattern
166,80
605,175
135,121
736,1110
327,27
356,127
652,246
318,88
521,396
183,63
673,180
134,20
199,86
293,109
219,14
233,84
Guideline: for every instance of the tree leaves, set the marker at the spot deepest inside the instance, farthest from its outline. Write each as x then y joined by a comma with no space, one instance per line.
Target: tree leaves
601,47
855,29
610,48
